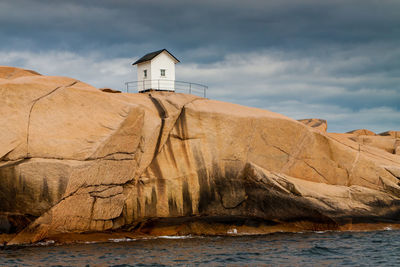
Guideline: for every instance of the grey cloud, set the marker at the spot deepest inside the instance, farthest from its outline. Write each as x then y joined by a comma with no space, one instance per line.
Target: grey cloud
183,25
274,80
302,58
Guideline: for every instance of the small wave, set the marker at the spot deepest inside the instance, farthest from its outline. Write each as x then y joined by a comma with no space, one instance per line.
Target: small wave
124,239
321,250
45,243
91,242
175,236
388,228
232,231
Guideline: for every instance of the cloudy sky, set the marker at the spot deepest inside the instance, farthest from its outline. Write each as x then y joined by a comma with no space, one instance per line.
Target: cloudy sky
338,60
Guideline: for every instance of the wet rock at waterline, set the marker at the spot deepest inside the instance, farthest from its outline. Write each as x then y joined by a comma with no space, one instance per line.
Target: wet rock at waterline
75,159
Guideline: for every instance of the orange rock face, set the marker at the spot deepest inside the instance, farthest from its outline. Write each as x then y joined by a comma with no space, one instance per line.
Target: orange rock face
75,159
10,73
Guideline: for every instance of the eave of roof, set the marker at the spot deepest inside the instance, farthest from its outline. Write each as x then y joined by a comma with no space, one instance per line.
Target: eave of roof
152,55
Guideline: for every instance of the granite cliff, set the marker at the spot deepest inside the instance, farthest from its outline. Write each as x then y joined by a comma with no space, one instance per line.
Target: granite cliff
75,159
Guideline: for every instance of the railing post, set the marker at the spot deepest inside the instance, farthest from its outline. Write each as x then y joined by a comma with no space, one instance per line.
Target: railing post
205,88
158,84
190,88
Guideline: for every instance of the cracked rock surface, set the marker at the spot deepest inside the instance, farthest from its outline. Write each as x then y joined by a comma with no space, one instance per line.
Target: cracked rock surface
74,159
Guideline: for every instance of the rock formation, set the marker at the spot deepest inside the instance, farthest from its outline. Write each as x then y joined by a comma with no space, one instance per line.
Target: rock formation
109,90
316,123
74,159
359,132
394,134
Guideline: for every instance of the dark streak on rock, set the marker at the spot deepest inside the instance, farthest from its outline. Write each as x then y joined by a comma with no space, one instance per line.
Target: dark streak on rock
62,186
151,206
158,173
139,208
229,185
187,199
172,207
207,193
45,194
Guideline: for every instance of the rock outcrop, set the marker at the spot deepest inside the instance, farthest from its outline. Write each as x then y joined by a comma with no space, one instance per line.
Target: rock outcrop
389,143
360,132
109,90
74,159
394,134
316,123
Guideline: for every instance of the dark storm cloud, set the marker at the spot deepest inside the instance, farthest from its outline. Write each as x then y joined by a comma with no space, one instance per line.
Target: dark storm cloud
301,58
223,25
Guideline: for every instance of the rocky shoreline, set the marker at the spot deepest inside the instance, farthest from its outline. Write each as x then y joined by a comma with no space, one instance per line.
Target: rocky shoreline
199,229
76,161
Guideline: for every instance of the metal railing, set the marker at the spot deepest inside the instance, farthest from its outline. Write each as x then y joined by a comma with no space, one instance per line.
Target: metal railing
167,85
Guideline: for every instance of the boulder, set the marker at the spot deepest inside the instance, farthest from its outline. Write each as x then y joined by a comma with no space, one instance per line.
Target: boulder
76,160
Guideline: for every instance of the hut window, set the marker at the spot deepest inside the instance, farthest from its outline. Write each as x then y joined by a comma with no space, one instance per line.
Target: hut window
162,72
145,73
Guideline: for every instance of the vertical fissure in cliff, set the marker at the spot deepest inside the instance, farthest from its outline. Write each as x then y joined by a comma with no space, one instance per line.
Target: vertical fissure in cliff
163,115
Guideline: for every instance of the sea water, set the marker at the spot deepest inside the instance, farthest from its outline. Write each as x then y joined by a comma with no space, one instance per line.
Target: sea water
378,248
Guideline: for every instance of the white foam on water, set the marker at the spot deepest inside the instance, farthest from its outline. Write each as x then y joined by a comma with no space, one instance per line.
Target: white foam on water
388,228
124,239
45,243
90,242
232,231
175,236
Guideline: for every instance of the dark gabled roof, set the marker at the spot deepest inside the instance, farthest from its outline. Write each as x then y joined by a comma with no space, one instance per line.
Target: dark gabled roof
152,55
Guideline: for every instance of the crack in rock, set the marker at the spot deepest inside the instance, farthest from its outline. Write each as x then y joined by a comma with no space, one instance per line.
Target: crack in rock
35,101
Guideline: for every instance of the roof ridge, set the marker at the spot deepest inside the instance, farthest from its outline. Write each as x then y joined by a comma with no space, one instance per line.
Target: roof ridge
151,55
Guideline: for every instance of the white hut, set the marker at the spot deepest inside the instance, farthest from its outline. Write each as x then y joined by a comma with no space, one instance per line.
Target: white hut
156,71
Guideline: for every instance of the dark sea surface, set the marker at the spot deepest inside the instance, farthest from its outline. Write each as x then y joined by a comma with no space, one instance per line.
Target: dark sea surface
379,248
